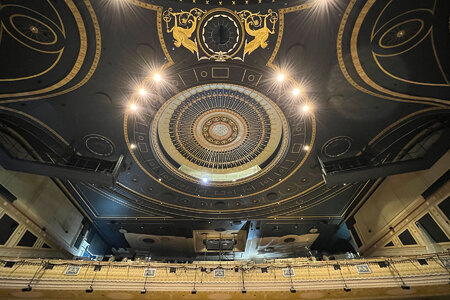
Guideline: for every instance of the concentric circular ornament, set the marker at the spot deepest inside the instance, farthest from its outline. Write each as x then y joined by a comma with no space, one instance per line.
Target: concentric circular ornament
220,32
221,132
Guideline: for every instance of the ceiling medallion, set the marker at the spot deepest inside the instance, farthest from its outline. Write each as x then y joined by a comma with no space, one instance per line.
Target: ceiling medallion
99,145
221,132
337,146
221,33
221,129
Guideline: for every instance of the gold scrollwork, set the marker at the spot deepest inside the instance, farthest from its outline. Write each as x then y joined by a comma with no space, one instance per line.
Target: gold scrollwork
256,25
184,24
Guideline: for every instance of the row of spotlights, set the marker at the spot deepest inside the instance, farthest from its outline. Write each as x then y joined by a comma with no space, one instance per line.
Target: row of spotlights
143,92
295,92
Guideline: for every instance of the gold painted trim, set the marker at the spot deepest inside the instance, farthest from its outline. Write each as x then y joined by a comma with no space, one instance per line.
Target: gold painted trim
121,202
127,141
422,25
402,79
160,128
37,121
437,57
60,51
432,11
159,20
211,211
281,13
220,68
270,64
207,13
353,45
55,37
78,64
374,140
373,34
35,75
320,200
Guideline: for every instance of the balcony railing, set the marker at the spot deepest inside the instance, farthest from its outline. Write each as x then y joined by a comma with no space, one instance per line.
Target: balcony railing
289,274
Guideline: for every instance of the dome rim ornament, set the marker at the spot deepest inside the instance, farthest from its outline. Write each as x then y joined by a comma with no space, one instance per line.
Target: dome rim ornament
279,138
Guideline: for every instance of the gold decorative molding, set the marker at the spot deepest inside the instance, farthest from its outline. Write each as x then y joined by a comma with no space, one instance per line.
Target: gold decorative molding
256,25
183,24
381,91
281,14
37,94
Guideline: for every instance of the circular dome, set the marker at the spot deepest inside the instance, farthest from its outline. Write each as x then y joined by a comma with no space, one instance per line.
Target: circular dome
218,133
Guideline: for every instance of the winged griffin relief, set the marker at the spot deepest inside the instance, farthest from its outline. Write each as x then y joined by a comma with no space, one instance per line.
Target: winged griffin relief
256,25
184,24
197,29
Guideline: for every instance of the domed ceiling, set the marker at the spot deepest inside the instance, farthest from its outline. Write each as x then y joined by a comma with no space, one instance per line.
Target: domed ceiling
222,108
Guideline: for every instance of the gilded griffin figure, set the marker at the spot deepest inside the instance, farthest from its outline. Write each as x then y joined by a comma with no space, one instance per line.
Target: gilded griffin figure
183,27
256,26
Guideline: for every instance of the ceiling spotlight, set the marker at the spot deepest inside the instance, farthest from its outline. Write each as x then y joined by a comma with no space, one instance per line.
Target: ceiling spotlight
305,108
143,291
159,179
133,107
306,147
133,146
321,2
296,91
280,77
205,180
157,77
143,92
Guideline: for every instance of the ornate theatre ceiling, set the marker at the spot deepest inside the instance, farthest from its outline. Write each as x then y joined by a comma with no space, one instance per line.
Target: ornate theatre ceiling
219,133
